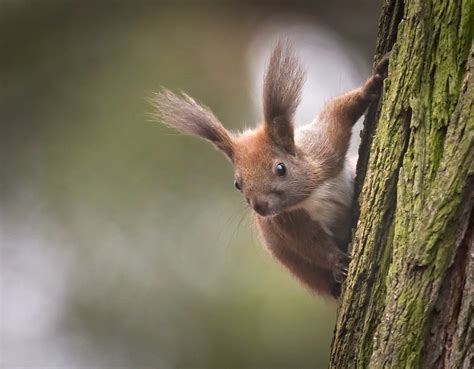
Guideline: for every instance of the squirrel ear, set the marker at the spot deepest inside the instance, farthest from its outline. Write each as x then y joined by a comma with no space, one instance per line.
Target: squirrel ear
283,82
184,114
281,132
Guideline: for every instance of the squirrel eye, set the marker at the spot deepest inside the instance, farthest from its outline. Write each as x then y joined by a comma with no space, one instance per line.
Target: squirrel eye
237,185
280,169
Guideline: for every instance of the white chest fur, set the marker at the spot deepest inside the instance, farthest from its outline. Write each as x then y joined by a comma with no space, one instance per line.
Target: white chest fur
331,201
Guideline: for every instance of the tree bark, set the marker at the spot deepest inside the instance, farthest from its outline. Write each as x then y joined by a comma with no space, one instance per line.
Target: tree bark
408,299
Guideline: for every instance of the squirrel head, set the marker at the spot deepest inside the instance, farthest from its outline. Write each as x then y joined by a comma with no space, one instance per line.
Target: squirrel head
270,171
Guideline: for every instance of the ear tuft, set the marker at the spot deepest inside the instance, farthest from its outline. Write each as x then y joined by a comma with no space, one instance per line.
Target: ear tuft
283,83
184,114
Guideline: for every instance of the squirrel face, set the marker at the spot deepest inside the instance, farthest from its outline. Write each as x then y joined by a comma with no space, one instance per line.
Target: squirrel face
270,178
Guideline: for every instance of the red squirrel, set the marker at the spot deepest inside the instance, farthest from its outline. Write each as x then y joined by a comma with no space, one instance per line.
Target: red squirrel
298,182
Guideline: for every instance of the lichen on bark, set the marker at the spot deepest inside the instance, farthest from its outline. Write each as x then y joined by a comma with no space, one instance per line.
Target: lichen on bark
406,300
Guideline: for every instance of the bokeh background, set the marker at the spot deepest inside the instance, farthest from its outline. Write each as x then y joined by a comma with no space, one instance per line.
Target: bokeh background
123,244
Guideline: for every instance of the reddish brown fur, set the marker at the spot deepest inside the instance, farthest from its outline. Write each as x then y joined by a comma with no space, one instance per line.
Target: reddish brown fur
297,240
303,215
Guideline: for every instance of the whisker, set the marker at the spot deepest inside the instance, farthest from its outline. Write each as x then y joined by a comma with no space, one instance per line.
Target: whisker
227,223
242,213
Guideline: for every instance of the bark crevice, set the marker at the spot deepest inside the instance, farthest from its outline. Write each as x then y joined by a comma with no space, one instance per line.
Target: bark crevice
443,322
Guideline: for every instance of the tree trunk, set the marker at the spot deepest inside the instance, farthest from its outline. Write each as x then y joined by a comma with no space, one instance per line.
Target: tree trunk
408,299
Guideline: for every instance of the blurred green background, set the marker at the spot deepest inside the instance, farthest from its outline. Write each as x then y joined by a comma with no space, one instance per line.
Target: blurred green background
125,245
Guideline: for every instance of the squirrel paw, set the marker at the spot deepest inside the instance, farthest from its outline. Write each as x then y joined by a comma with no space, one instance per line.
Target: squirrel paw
340,273
381,69
373,86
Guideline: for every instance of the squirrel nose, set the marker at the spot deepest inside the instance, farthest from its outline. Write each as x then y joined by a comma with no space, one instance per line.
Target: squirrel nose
260,206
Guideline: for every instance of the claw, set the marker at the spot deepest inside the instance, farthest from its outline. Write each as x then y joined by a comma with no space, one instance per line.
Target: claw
338,278
340,274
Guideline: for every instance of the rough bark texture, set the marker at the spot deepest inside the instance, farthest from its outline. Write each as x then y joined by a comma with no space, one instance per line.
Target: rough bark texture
408,300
